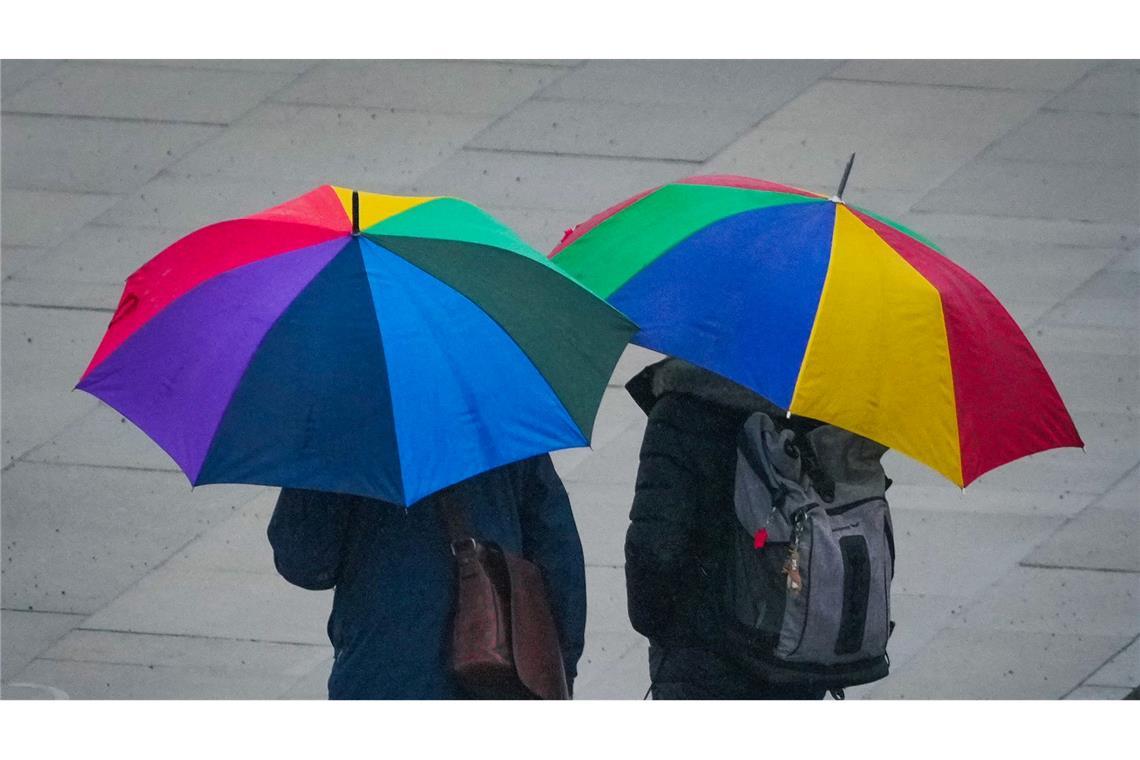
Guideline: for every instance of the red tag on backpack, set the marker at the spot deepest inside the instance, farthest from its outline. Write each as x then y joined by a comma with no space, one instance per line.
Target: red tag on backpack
760,538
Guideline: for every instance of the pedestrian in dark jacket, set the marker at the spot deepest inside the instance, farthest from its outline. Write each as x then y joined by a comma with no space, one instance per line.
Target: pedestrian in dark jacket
680,522
393,573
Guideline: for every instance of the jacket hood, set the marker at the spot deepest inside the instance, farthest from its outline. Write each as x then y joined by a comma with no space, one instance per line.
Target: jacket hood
679,376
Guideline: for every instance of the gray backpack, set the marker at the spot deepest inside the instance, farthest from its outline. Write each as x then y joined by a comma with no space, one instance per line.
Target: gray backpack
806,592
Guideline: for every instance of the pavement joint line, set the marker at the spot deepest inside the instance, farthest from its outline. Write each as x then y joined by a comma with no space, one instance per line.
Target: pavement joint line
61,463
946,85
391,109
1098,668
103,309
1043,566
22,188
200,636
44,612
563,154
120,119
192,65
1133,114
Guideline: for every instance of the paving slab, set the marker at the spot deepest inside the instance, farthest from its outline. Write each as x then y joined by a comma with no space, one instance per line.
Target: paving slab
219,603
100,680
1123,670
74,538
1055,337
633,360
103,437
1098,692
92,155
24,635
14,258
953,554
877,112
606,600
1018,75
616,129
973,663
239,544
1093,193
1094,393
312,685
1060,601
221,655
601,511
16,74
814,160
46,219
225,64
158,93
918,619
1111,88
627,678
1106,458
87,269
1018,270
1121,311
987,225
617,415
1125,494
525,180
178,205
615,463
761,86
982,498
482,88
603,650
1064,137
353,147
45,352
1096,539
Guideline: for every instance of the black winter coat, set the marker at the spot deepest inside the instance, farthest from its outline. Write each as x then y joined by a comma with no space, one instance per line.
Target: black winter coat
680,523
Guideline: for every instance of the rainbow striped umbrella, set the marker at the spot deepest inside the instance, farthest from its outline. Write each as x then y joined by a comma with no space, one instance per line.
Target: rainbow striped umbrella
358,343
829,311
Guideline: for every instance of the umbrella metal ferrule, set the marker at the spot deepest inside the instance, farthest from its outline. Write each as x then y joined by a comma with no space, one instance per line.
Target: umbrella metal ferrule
355,212
838,198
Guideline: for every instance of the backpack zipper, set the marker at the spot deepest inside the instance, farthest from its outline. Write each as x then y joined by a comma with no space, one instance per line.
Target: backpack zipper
846,507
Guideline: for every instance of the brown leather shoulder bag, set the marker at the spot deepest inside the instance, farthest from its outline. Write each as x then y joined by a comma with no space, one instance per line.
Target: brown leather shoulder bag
504,644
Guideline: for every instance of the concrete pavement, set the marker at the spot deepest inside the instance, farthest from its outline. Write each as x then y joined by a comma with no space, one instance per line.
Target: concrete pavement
119,581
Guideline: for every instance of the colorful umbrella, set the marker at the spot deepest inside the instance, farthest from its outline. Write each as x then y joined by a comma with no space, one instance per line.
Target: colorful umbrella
829,311
368,344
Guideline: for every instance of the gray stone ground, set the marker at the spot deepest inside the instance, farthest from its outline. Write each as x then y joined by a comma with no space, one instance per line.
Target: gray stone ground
119,581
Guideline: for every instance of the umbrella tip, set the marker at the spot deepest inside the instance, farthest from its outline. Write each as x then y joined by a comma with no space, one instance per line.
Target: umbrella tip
838,197
355,212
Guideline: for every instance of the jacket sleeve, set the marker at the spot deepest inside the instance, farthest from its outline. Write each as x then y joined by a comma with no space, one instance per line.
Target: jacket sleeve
658,544
307,532
550,540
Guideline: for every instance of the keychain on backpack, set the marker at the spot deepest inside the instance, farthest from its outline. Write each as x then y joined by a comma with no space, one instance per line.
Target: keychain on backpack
792,569
792,563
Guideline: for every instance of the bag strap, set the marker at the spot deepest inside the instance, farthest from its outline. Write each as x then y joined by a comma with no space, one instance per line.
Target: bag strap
453,515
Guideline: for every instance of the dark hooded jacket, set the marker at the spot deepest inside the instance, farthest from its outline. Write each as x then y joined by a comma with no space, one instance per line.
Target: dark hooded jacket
680,522
394,576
